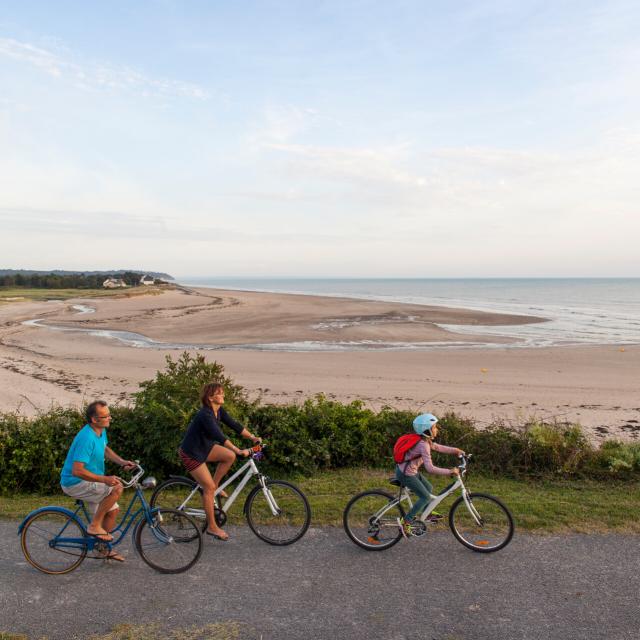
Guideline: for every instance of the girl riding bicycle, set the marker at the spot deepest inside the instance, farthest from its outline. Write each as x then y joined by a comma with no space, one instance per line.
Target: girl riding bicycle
407,471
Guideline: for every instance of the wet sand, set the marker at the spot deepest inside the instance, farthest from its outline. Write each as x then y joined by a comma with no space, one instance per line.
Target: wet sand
596,386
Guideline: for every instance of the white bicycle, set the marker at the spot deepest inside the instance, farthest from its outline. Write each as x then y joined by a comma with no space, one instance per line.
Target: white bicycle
479,521
276,511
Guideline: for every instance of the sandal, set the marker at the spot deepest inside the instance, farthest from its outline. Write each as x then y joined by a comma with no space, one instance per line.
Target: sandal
112,555
217,536
105,537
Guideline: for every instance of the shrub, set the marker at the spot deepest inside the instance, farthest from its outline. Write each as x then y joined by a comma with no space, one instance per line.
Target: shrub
616,458
152,429
320,434
32,452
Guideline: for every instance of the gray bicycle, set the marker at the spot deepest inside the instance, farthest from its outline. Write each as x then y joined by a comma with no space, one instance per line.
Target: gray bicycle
479,521
276,510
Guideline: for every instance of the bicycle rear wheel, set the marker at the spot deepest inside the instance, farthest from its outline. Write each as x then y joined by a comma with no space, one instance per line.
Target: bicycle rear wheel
174,494
171,543
53,542
371,520
484,525
279,514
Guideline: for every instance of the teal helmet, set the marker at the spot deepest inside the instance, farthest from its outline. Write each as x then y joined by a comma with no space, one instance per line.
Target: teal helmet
423,424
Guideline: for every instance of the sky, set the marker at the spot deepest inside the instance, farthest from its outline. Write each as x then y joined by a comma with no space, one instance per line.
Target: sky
321,139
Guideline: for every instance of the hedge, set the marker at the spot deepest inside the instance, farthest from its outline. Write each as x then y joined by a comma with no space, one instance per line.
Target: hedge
319,434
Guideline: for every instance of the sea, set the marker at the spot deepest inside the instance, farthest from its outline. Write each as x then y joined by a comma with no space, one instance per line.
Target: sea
579,311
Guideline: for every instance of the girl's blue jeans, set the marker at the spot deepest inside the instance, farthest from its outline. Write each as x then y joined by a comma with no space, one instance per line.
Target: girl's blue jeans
420,486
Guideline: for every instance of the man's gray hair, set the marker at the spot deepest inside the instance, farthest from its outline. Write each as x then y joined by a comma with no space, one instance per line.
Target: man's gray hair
92,410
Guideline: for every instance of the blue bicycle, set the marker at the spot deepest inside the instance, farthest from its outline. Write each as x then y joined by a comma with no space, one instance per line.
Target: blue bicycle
54,540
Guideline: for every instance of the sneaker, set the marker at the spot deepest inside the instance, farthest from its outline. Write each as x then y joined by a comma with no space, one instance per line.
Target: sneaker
434,516
405,527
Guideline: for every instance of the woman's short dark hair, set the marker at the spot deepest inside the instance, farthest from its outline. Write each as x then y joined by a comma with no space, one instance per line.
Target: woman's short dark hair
208,390
92,410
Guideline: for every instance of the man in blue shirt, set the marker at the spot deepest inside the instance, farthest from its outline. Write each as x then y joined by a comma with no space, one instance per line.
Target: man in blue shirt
83,473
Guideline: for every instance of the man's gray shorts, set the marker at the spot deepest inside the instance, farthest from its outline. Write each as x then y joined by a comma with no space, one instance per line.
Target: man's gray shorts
93,493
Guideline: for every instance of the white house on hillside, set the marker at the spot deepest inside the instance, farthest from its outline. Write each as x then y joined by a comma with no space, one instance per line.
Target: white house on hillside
147,280
114,283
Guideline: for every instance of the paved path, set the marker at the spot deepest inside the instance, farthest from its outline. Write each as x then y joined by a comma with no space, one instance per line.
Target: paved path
571,587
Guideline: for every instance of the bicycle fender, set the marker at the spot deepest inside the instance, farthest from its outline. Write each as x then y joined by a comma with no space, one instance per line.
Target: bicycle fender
64,510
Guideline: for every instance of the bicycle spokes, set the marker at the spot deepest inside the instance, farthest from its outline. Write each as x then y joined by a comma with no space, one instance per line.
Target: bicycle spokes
371,520
481,522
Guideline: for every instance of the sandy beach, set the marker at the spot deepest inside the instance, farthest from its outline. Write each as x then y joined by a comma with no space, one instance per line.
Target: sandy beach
68,357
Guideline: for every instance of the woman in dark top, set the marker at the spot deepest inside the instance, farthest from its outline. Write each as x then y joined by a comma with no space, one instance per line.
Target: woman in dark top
205,442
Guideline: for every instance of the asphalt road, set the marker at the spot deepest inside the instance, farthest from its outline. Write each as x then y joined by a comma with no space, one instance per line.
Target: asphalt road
571,587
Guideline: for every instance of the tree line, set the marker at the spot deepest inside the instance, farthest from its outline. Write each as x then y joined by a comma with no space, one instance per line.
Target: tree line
75,281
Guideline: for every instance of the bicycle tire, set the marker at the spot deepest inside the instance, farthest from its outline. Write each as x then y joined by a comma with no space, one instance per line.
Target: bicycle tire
39,546
367,529
172,543
289,524
173,492
492,533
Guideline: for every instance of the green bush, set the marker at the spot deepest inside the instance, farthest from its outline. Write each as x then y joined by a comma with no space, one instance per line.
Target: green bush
319,434
322,434
616,458
152,429
32,452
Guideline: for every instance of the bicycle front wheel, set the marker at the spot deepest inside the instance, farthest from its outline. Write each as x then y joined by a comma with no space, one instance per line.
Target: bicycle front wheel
53,542
279,514
483,525
171,542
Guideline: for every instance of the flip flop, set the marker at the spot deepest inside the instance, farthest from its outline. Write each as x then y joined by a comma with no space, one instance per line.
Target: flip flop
222,494
105,537
217,537
113,555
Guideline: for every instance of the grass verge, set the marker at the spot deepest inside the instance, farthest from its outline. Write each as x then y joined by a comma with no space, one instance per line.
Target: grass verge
23,295
218,631
538,506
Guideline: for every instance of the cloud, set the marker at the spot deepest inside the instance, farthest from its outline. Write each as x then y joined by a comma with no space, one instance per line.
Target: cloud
364,164
454,189
107,223
116,224
97,76
281,123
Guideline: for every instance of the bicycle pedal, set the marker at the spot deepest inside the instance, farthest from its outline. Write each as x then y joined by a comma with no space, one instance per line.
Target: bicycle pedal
418,529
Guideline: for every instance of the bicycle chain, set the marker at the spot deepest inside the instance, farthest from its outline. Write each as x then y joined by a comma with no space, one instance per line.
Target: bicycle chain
98,547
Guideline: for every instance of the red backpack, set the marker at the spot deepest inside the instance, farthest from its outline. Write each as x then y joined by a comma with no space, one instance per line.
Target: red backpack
403,444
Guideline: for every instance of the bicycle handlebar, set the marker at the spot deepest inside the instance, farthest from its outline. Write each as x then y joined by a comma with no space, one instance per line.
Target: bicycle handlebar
257,451
464,460
134,479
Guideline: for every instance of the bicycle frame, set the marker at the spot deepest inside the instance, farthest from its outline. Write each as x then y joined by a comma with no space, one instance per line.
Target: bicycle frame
249,469
435,500
81,513
127,519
